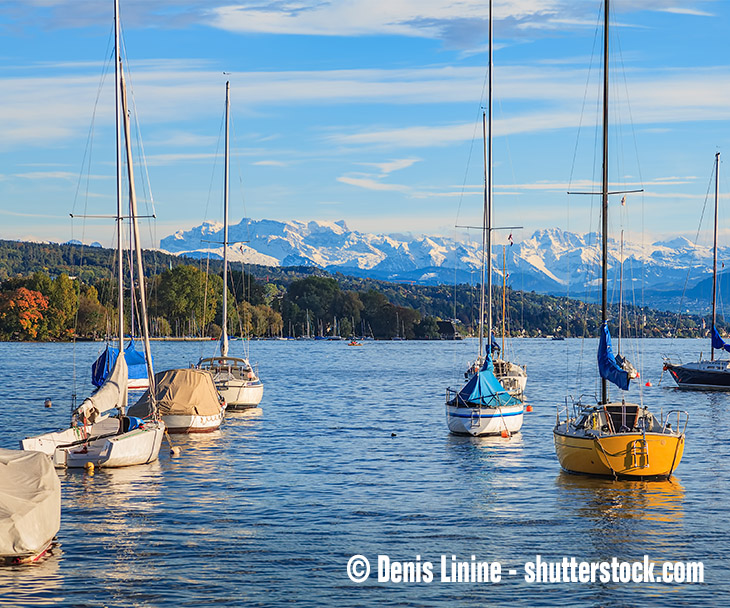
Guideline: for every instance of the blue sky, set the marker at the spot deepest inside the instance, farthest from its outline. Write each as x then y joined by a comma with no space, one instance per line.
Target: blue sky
362,110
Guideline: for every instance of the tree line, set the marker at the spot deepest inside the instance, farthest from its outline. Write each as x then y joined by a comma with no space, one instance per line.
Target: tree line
56,292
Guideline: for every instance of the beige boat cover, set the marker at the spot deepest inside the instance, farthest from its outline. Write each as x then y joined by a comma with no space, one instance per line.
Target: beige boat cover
30,503
180,392
111,394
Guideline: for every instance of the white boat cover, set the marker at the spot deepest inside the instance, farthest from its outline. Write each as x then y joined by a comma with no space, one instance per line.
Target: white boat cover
180,392
111,394
30,503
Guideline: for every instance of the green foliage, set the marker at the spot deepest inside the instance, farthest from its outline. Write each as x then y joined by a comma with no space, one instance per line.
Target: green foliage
188,298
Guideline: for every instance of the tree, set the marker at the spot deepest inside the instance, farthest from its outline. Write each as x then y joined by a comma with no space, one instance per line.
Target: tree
188,298
21,313
91,319
62,305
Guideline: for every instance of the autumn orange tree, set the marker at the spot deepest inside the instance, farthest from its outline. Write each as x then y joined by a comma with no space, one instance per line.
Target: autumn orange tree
21,314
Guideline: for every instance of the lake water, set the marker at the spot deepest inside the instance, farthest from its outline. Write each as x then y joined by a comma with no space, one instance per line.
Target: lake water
349,455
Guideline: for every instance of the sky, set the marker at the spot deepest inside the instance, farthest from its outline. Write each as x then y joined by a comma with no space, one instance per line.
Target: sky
367,111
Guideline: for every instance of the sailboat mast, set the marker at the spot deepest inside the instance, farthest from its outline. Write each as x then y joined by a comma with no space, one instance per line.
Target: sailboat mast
489,181
224,333
484,241
604,191
714,251
118,106
504,294
137,246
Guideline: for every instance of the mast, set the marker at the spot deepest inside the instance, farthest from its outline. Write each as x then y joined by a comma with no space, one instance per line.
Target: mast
484,240
489,182
714,251
137,247
118,104
604,192
504,294
224,333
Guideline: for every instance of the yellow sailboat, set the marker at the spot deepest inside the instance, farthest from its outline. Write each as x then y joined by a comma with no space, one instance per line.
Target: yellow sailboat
618,439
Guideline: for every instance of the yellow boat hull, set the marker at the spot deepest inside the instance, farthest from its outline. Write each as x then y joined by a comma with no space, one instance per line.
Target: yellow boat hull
620,454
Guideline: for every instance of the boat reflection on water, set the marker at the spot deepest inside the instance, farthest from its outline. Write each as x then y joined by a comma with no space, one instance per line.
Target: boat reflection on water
628,518
36,584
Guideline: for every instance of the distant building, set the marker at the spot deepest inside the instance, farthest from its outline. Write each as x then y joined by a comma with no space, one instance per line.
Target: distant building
448,331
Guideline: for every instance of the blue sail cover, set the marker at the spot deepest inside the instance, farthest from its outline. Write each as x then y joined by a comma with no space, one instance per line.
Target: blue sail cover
607,366
484,390
103,366
717,342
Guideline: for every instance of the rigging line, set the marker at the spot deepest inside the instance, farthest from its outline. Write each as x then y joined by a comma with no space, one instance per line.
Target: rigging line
477,123
696,241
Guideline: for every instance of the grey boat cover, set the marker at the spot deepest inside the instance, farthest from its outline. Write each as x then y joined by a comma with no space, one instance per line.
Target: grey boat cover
180,392
30,503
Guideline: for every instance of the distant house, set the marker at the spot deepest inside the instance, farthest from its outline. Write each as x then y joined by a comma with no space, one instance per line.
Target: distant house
447,331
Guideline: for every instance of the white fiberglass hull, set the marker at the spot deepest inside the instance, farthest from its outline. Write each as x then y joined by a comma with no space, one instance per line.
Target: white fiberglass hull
183,423
479,421
241,395
69,449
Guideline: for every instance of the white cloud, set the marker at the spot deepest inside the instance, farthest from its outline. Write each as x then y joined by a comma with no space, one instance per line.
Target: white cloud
371,184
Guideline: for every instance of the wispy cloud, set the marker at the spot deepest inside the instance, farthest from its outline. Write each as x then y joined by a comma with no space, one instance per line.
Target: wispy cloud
393,165
372,184
270,163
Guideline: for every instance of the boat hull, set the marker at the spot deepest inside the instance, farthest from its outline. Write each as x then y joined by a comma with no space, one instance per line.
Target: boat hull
620,454
481,421
193,423
702,376
68,449
241,396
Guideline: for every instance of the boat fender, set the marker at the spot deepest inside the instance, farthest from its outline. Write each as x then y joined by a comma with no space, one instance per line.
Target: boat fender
129,423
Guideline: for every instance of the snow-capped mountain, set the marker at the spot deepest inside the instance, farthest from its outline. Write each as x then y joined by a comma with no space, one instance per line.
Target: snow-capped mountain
550,261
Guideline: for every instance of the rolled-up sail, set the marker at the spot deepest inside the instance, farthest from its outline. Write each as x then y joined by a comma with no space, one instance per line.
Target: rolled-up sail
717,342
607,366
111,394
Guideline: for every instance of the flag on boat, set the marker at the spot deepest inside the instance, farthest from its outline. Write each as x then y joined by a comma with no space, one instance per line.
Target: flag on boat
607,366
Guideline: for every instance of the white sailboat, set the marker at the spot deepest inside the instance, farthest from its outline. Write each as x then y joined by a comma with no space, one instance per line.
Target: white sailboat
703,375
100,433
235,378
484,406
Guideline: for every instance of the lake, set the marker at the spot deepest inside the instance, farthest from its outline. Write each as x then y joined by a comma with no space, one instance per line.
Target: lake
350,455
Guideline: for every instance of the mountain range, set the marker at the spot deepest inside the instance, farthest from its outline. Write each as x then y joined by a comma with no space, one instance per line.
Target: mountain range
550,261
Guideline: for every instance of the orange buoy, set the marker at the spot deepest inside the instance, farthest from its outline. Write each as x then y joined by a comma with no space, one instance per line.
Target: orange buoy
505,434
528,408
648,384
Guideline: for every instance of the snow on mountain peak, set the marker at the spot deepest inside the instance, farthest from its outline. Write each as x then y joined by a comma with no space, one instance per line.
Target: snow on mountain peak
547,261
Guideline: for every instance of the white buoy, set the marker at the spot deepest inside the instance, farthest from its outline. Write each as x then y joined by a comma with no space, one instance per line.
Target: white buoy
175,451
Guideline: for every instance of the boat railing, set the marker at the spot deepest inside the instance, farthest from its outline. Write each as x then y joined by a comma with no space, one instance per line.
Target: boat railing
682,421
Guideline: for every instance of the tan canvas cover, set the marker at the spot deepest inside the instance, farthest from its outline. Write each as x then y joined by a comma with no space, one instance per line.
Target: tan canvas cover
111,394
181,392
30,502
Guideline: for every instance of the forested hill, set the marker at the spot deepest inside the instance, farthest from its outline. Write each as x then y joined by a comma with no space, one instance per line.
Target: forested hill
529,314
